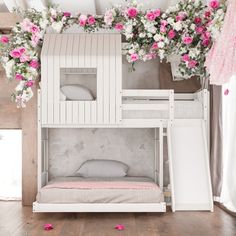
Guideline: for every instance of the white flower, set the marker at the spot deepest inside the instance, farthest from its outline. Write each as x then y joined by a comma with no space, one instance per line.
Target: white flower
131,51
149,35
57,26
161,44
53,12
20,86
141,52
8,67
142,35
128,28
109,17
177,26
192,27
170,20
43,23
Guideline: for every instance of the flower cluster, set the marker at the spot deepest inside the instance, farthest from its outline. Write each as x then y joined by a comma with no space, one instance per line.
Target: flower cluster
187,30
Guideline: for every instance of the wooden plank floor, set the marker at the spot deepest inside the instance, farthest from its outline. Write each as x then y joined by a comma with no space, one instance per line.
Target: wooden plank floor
16,220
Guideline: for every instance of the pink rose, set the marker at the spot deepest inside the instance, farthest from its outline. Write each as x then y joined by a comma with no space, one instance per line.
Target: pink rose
214,4
34,29
34,64
197,20
26,25
34,40
4,39
82,20
164,23
199,29
119,26
134,57
21,50
185,58
132,12
19,77
155,45
151,16
91,20
226,92
157,12
207,14
192,64
66,14
181,16
171,34
163,29
29,83
205,42
15,53
187,40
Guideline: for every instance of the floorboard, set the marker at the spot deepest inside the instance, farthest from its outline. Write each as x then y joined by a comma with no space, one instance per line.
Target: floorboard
16,220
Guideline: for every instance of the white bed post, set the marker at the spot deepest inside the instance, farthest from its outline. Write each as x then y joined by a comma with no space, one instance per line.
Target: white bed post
39,164
161,157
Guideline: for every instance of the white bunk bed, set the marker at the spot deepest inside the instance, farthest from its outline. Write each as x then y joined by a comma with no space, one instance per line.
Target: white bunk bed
113,107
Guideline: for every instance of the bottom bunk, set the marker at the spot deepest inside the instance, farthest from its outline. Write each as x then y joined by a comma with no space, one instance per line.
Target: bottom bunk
79,194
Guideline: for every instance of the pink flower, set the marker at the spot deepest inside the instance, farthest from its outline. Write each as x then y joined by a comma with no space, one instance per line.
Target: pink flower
157,12
4,39
185,58
34,29
120,227
34,40
187,40
207,14
19,77
29,83
192,63
151,16
24,58
119,26
197,20
199,29
163,29
134,57
21,50
205,42
132,12
66,14
214,4
15,53
226,92
181,16
48,227
34,64
150,56
171,34
164,23
26,25
91,20
82,20
155,45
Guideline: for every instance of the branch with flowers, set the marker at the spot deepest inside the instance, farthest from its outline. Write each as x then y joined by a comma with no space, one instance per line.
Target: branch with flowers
188,30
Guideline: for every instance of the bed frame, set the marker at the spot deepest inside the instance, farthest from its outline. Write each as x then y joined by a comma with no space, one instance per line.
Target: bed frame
105,112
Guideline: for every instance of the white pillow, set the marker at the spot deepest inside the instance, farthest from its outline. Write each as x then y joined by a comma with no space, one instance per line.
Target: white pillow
77,93
102,168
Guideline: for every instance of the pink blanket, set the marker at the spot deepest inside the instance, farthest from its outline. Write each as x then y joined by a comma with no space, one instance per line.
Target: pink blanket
102,185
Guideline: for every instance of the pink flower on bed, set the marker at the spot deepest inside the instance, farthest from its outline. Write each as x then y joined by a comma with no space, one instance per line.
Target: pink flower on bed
4,39
187,40
91,20
132,12
185,58
214,4
19,77
134,57
192,64
151,16
157,12
15,53
29,83
82,20
171,34
226,92
155,45
34,29
34,64
66,14
119,26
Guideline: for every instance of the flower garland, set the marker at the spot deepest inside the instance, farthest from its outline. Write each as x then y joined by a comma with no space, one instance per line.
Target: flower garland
187,29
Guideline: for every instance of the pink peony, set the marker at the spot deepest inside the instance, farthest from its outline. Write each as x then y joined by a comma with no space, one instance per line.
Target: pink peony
119,26
185,58
4,39
19,77
199,29
91,20
187,40
21,50
34,64
155,45
164,23
132,12
29,83
82,20
34,29
134,57
151,16
197,20
157,12
214,4
66,14
171,34
192,64
15,53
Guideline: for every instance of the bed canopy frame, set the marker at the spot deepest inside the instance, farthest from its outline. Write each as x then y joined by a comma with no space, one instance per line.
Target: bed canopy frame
99,55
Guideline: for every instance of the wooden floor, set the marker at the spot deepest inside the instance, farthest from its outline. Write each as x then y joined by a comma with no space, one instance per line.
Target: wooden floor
16,220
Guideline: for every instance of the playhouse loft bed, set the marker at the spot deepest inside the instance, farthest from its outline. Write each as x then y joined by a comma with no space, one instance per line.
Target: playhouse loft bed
81,87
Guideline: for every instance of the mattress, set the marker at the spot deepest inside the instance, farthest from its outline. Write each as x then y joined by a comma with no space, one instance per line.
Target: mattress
142,190
182,110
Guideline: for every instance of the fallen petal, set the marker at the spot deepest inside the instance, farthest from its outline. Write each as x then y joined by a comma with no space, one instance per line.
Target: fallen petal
48,226
226,92
120,227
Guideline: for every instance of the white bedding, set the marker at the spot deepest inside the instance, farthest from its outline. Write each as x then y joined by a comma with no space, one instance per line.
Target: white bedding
100,195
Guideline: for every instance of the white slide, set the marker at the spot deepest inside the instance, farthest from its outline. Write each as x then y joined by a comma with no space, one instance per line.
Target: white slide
189,166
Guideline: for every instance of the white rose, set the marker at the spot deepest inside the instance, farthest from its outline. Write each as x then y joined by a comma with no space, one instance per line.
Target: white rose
20,86
177,26
192,27
43,23
131,51
149,35
8,67
141,52
161,44
57,26
142,35
170,20
156,37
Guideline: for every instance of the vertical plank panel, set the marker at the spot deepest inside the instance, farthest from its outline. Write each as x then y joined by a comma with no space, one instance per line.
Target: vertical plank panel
81,112
69,112
87,112
106,82
57,79
100,79
62,112
81,51
75,61
112,88
94,112
51,78
75,118
118,79
94,51
88,48
69,51
44,77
